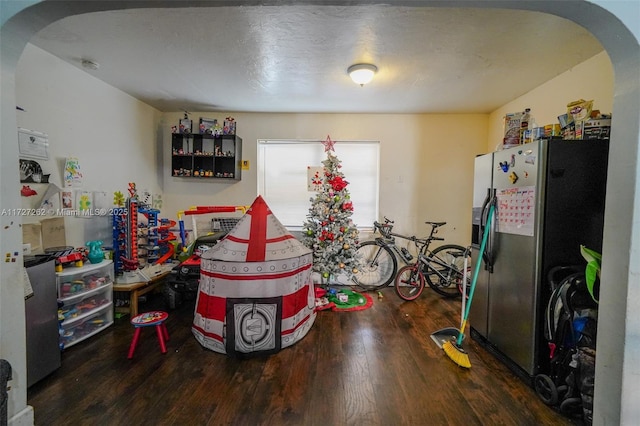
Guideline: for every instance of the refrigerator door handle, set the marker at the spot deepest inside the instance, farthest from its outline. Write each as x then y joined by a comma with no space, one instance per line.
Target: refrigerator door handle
488,255
483,215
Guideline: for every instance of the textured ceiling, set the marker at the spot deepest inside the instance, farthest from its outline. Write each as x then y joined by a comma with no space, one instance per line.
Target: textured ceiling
294,58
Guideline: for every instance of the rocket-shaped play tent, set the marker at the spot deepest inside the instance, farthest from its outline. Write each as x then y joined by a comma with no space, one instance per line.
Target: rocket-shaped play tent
256,294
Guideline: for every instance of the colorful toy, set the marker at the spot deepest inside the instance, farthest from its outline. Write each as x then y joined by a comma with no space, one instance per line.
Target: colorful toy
184,278
76,257
96,255
198,210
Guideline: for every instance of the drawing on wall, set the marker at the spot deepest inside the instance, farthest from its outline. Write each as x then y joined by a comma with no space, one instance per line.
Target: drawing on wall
72,173
84,200
314,178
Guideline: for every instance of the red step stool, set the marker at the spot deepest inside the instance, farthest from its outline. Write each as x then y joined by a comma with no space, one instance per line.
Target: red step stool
150,319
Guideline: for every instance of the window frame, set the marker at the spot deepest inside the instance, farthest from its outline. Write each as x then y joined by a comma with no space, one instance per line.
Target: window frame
262,168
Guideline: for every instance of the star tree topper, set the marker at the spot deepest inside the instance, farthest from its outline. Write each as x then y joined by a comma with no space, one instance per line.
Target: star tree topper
328,144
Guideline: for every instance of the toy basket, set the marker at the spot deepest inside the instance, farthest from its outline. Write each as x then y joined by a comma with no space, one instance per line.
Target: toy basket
209,219
223,223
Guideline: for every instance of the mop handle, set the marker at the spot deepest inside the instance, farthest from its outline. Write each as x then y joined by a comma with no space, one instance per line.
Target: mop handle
476,271
464,284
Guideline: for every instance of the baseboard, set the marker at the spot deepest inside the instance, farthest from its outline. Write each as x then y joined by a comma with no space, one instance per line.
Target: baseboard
23,418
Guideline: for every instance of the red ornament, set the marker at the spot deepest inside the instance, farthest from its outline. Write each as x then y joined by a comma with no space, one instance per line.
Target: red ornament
338,183
348,205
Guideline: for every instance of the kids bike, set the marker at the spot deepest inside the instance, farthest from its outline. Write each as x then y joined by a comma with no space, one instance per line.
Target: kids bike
443,271
379,260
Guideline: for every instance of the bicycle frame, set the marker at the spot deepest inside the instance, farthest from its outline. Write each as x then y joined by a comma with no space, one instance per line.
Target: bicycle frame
427,261
390,242
388,239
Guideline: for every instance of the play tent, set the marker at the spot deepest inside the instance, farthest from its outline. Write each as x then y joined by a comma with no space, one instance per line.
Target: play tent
255,294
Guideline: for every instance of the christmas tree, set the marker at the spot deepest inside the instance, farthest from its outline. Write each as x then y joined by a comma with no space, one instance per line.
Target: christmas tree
329,230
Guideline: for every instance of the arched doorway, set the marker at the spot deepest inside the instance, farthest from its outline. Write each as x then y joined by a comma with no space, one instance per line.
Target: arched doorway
613,394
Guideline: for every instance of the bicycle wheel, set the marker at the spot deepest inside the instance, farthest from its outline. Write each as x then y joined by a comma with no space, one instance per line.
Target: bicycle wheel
446,279
409,282
378,266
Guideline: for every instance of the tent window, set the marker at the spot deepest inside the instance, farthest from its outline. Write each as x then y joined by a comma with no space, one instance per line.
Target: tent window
282,177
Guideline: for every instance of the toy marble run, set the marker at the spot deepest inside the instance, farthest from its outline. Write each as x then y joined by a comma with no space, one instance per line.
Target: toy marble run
198,210
162,236
128,231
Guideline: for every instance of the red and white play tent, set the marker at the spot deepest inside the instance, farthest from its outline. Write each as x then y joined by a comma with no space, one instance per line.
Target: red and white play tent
256,294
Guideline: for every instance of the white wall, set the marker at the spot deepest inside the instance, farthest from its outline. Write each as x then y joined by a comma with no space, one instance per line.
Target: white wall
426,163
112,134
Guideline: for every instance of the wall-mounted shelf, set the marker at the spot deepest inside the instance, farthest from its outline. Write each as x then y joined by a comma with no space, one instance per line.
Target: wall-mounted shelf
204,156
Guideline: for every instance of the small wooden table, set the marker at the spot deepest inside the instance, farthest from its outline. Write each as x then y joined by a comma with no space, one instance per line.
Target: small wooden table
136,290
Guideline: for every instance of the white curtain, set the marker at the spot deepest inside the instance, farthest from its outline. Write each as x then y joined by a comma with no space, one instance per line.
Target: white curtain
282,177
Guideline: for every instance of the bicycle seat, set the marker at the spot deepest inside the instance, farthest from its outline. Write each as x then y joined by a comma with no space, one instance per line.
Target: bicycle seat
436,224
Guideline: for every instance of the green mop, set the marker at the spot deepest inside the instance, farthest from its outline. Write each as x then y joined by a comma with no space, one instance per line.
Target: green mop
453,348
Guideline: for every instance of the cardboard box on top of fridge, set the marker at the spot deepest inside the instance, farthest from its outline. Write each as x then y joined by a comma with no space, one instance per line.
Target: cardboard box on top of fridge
512,129
597,129
590,129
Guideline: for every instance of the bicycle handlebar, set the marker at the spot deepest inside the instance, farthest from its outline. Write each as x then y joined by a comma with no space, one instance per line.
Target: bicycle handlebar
387,228
384,228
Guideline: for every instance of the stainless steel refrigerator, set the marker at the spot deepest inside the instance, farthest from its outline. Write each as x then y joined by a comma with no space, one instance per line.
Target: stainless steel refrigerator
550,198
42,327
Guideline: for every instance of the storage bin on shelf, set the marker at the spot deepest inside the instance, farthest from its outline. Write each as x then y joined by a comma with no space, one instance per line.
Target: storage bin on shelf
85,295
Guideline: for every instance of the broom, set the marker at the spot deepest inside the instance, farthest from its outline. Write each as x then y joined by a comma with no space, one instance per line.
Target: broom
453,348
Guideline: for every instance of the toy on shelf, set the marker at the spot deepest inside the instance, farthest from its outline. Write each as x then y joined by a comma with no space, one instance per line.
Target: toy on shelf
75,257
96,255
229,126
87,283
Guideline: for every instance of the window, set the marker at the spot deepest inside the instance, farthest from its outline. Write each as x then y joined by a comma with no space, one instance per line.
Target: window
282,177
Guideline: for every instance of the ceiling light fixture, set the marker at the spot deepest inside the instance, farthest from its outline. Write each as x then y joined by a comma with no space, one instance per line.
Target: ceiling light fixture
90,65
362,73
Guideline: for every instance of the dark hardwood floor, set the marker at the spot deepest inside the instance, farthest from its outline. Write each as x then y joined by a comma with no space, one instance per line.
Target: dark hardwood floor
372,367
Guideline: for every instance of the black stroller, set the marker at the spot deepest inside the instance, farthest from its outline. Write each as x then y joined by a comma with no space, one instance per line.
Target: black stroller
570,330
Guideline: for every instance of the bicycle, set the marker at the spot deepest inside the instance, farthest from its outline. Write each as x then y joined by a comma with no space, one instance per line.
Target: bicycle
444,273
379,264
